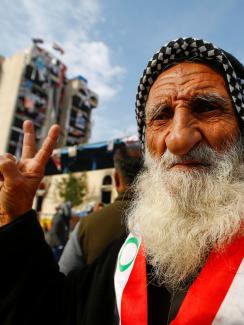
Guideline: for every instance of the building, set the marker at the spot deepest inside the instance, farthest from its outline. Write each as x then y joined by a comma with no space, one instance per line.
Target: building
33,85
100,188
78,103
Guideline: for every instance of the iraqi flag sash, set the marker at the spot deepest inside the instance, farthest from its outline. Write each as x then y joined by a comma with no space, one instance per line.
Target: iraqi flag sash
215,297
130,283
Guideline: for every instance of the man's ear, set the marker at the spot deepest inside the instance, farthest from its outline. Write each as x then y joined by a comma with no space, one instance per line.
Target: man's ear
117,179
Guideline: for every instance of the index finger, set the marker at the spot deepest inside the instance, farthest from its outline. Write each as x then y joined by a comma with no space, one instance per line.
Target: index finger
29,140
48,145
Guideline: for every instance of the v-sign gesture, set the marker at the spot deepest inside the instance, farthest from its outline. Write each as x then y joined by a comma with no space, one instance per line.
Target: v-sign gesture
20,180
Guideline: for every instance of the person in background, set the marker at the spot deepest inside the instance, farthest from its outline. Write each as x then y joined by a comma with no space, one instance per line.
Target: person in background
60,229
98,206
97,230
45,230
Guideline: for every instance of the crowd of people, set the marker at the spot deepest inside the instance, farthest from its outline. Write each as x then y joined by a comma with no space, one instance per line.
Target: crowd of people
170,249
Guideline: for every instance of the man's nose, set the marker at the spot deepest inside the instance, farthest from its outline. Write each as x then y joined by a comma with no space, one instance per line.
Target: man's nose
184,134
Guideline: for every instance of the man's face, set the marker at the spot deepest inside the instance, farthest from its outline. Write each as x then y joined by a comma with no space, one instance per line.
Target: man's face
189,105
192,186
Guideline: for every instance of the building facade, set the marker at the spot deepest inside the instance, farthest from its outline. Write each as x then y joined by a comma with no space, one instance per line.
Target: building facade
34,86
77,105
100,188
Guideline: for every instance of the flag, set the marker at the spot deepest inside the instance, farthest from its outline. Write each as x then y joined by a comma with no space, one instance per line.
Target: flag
37,40
58,48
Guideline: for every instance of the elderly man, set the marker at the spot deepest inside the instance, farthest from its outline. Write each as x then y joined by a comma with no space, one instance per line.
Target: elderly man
182,263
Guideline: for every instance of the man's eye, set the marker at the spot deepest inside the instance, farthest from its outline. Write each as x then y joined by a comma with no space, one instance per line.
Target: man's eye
205,108
164,114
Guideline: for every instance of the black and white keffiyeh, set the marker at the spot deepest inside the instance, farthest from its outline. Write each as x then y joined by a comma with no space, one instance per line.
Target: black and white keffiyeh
189,49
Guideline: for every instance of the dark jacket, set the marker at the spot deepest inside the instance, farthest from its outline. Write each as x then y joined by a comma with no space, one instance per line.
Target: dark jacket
59,232
34,292
97,230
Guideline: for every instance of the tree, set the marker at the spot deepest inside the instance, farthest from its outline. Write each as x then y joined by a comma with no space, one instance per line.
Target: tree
72,188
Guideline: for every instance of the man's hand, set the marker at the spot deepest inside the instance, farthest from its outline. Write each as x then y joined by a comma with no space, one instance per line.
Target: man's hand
20,180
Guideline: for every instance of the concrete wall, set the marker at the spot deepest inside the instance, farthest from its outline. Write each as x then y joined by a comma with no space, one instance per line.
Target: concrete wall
12,69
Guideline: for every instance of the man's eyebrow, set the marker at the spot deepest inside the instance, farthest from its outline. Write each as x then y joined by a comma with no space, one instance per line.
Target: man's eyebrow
211,99
155,109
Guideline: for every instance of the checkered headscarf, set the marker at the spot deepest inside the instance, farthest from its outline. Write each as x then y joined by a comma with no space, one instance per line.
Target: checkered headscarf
190,48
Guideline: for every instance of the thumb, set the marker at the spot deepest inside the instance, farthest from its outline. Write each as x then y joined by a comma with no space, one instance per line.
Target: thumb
8,168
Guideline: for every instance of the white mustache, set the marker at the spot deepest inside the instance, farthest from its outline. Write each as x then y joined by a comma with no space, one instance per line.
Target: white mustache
202,155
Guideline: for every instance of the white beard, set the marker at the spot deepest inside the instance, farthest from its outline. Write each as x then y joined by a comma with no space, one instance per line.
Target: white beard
183,215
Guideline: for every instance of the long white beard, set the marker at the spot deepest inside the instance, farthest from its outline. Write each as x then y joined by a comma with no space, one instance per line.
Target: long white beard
183,215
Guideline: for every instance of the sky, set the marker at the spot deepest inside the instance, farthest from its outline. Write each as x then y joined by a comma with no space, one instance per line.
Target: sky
109,42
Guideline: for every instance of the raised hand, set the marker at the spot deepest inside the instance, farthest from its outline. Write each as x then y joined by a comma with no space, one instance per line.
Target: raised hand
20,180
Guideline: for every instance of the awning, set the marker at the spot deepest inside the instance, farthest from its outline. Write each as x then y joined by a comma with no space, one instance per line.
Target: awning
91,156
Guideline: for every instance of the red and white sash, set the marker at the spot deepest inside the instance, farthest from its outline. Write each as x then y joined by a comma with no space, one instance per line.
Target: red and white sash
215,297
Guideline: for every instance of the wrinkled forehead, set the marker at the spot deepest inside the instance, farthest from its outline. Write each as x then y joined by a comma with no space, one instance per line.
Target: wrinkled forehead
189,49
187,79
